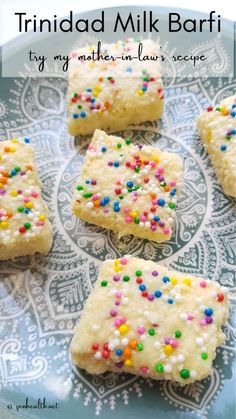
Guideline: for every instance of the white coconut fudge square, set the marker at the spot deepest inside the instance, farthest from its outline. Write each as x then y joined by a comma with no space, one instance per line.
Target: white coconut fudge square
114,94
147,320
130,189
217,129
24,225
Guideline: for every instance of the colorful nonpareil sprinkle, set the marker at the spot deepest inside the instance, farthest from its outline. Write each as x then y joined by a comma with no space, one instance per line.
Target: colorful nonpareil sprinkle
113,90
217,128
91,98
22,211
149,336
131,188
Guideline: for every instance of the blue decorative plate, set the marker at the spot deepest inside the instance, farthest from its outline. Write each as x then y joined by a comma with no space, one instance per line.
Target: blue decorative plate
41,297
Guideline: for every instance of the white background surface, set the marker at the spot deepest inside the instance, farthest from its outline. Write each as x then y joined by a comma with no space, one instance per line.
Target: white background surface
47,8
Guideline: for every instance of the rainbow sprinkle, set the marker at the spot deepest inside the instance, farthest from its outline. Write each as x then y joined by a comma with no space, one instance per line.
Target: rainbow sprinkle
19,201
114,93
141,195
135,329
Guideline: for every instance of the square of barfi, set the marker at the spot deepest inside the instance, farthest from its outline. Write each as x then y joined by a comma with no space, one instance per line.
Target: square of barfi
24,225
217,129
147,320
128,188
116,93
